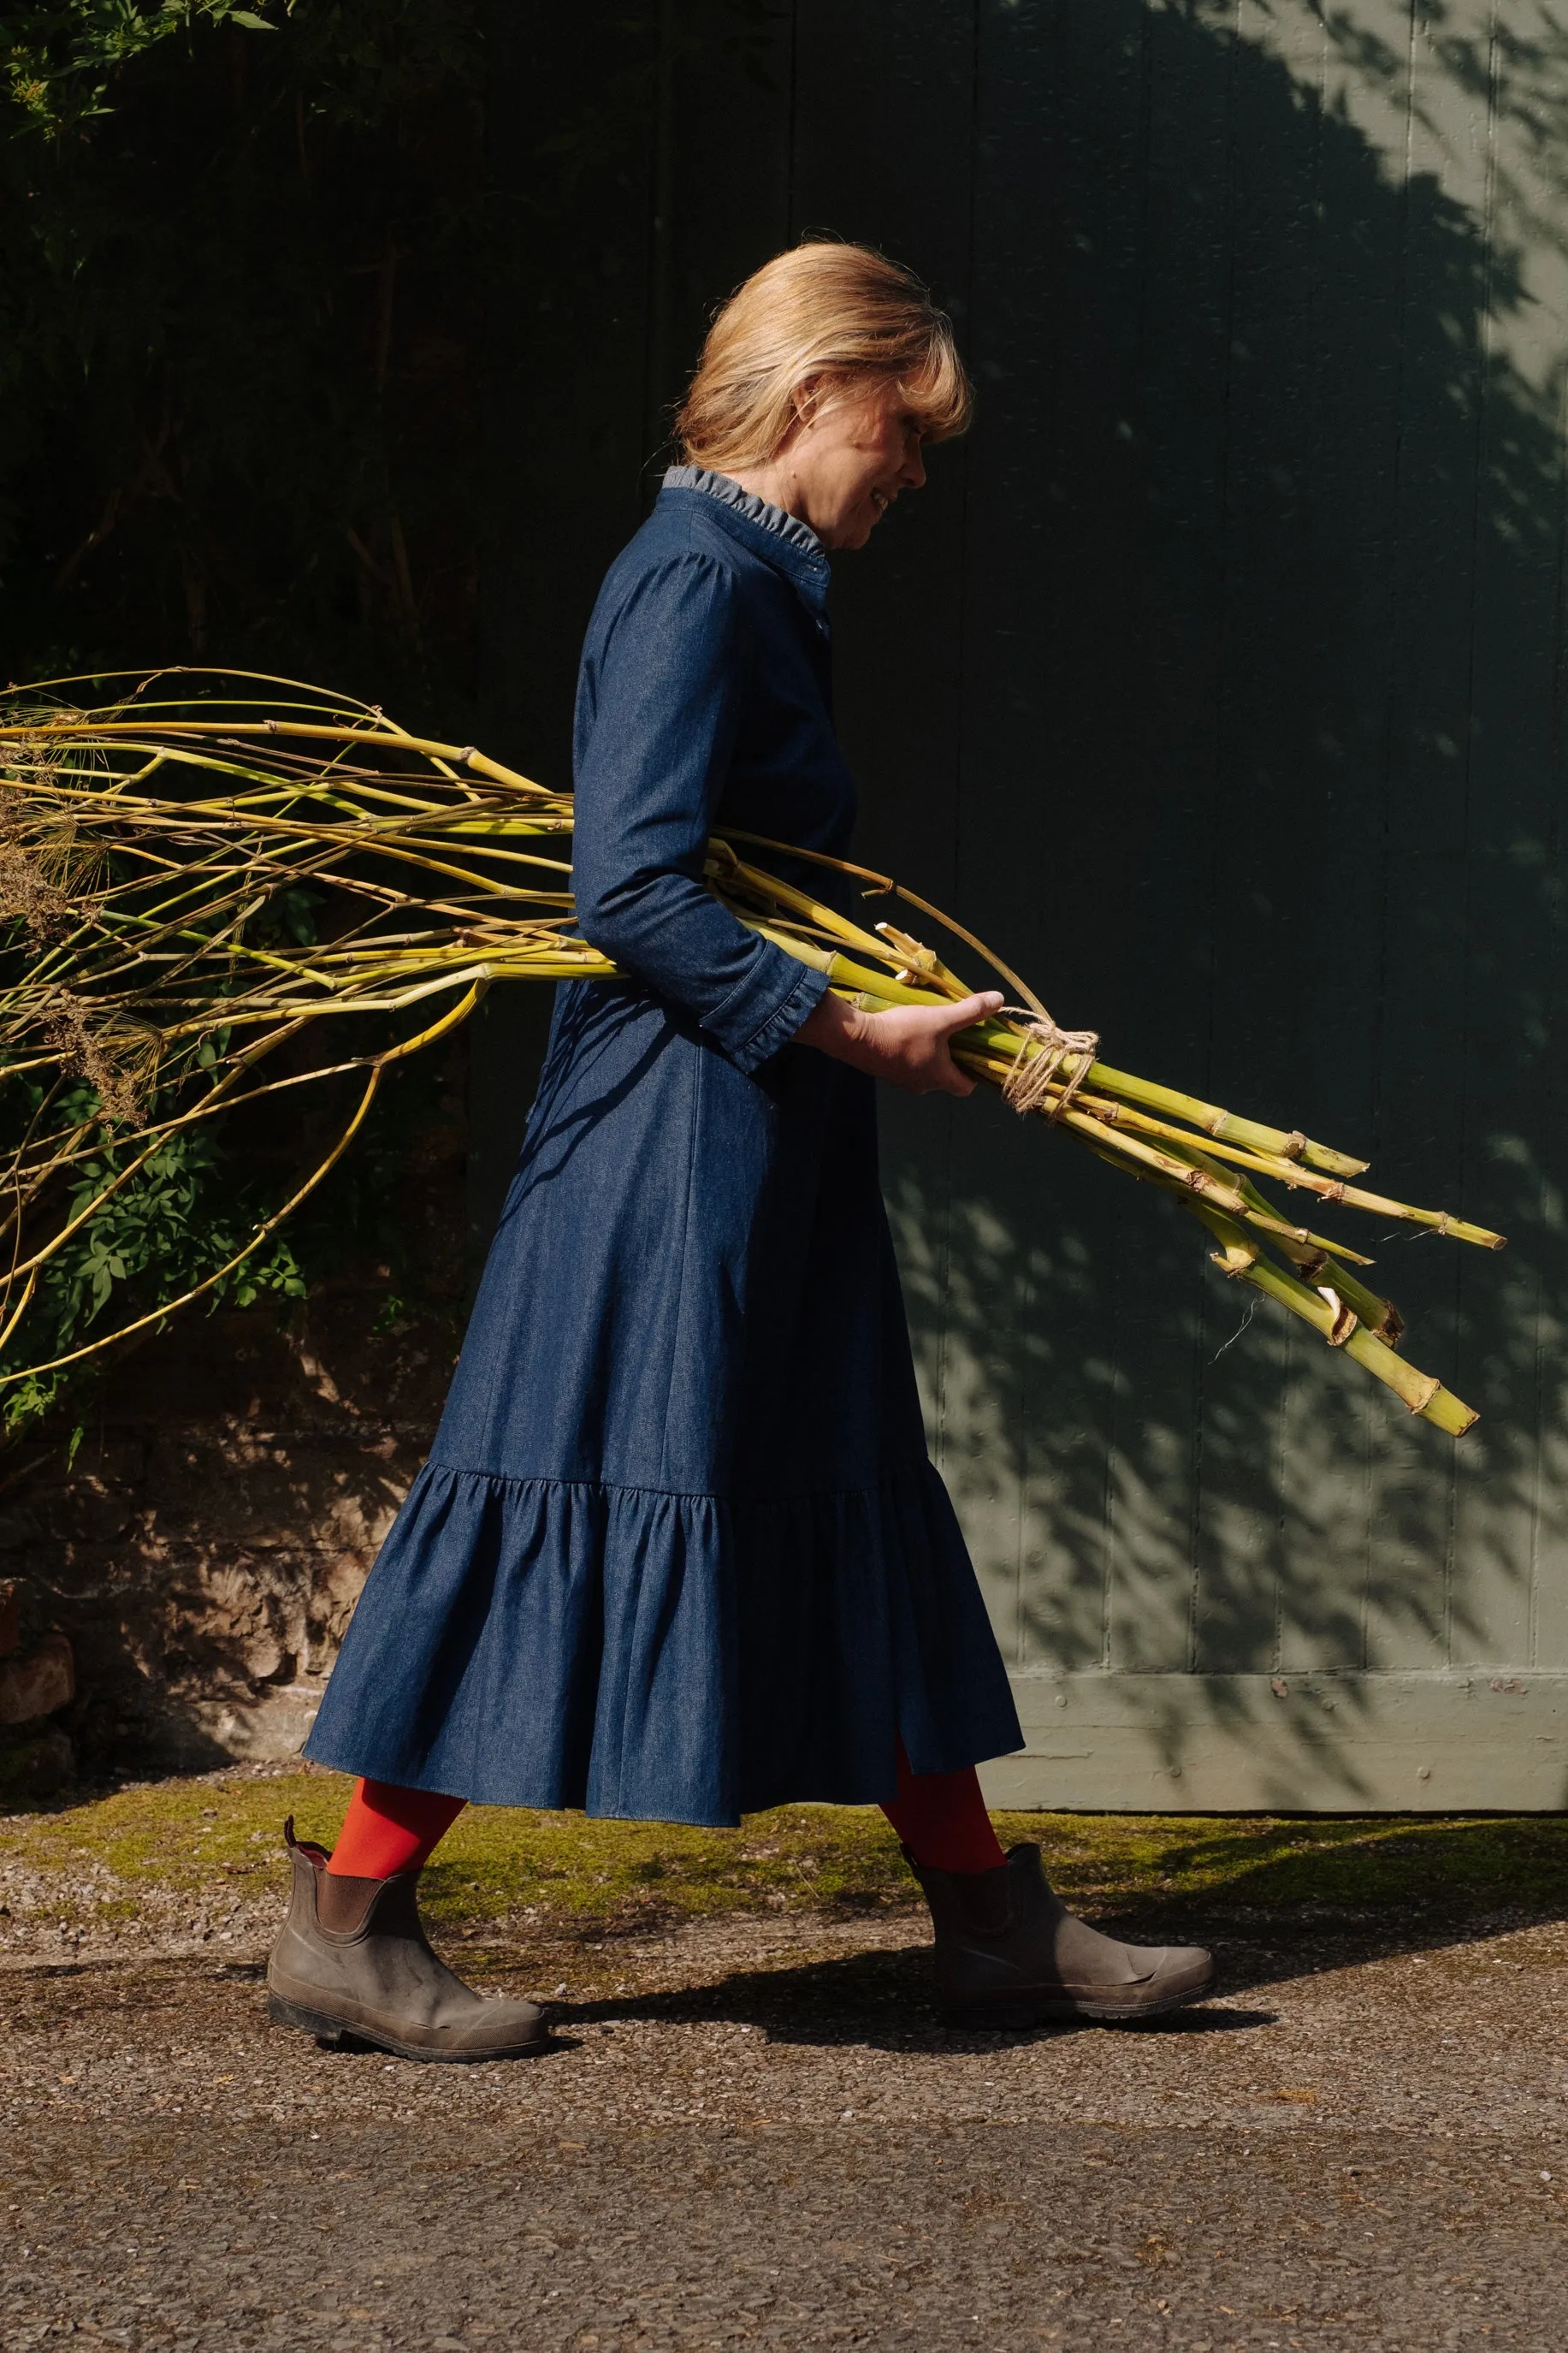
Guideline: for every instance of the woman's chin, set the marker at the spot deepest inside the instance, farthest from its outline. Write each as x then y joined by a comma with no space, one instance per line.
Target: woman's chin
853,533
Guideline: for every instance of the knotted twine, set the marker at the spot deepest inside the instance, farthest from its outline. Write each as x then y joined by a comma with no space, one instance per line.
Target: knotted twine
1029,1083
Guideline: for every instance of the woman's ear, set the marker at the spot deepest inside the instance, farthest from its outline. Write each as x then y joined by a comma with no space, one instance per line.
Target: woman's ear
808,399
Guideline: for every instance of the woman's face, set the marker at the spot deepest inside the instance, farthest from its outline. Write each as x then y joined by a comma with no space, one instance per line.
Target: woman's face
848,461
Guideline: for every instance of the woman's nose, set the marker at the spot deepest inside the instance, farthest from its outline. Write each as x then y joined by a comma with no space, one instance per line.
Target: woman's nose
914,469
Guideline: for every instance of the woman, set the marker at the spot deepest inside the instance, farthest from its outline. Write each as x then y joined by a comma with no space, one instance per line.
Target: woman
679,1552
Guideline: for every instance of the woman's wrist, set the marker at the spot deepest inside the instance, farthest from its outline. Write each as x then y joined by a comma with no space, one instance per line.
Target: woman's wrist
838,1027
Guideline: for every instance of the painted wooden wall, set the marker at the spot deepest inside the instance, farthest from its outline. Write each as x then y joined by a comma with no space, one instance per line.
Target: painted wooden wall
1219,680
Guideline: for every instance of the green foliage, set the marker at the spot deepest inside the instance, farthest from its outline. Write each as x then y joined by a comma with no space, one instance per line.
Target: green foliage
190,1211
239,327
60,62
183,1216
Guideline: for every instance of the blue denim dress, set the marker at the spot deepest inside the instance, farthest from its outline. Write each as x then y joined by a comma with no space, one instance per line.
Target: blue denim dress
678,1553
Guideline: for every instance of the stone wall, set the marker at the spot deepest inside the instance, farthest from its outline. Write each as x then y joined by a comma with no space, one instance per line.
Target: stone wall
37,1680
190,1571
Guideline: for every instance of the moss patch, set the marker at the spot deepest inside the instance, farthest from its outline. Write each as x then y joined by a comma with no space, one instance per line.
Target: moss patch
216,1838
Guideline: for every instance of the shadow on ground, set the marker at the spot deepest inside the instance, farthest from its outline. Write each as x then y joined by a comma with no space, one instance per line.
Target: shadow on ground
883,2000
885,1997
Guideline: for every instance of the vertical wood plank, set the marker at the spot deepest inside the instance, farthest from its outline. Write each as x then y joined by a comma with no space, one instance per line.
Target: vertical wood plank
1512,1132
1433,570
1197,64
1329,828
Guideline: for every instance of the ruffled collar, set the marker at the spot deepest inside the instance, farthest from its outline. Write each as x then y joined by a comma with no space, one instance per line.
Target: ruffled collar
787,527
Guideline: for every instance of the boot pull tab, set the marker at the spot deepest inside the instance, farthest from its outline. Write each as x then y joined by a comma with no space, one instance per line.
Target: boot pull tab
313,1855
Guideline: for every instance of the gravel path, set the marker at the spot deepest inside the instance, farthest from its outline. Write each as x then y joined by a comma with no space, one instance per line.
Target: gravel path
754,2132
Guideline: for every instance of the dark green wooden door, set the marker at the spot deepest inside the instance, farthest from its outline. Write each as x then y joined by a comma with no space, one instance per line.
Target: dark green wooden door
1218,681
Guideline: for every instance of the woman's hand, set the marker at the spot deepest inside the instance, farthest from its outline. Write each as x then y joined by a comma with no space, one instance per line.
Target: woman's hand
906,1045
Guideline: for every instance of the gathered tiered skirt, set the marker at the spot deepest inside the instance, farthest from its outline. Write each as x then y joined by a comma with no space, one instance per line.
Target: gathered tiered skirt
679,1552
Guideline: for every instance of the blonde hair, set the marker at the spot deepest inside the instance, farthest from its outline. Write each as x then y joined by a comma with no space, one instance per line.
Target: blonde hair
825,310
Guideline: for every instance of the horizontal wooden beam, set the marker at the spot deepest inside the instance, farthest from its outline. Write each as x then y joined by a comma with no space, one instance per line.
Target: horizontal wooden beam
1488,1738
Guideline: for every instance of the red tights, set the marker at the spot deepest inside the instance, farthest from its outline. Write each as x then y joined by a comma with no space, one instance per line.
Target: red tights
943,1821
941,1818
387,1830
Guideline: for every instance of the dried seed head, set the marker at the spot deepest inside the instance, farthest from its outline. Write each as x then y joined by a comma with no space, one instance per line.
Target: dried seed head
119,1059
27,896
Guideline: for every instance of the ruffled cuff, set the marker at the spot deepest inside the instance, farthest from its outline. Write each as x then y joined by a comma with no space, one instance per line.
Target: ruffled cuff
763,1012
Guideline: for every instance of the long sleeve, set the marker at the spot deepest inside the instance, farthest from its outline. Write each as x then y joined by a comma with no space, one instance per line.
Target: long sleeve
658,710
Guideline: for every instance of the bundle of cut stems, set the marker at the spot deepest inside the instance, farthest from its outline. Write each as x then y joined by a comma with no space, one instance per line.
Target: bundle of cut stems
152,848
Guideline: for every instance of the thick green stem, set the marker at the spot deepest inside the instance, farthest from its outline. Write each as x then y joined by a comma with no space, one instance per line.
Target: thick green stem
1423,1393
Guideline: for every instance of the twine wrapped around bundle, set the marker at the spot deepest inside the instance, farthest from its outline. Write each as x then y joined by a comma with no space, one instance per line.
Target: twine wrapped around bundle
1029,1083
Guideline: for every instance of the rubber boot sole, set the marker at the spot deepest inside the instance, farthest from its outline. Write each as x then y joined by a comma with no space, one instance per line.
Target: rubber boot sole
1014,2010
335,2035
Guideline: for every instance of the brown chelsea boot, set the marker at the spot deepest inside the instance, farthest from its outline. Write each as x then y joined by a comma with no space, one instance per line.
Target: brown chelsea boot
353,1964
1009,1953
